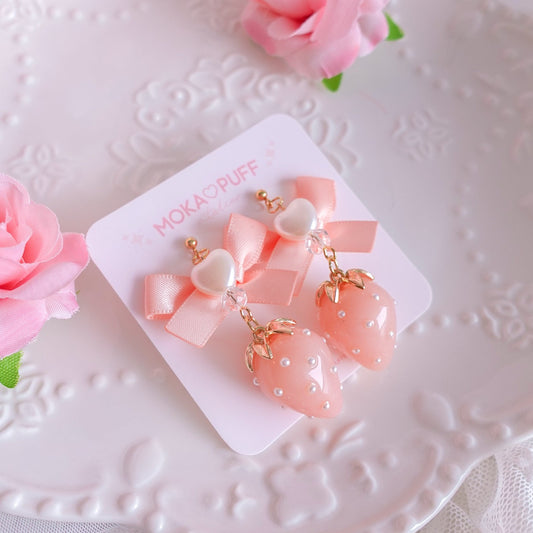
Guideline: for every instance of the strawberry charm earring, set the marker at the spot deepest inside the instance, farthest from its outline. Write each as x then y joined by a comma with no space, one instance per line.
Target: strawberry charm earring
293,366
356,315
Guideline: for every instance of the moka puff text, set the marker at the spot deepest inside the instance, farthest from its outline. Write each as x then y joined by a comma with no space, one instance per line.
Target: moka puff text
206,196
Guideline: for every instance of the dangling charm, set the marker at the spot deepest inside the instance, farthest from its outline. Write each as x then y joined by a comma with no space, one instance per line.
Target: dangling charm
292,366
356,314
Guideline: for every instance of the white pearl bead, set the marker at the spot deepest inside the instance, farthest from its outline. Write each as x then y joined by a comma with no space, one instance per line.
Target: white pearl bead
215,273
297,220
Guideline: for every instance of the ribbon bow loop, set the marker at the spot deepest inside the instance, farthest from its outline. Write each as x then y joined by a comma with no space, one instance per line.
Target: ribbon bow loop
193,316
320,192
244,239
345,235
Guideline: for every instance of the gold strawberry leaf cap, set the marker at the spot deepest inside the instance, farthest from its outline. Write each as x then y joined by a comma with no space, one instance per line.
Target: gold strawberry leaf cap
260,345
355,276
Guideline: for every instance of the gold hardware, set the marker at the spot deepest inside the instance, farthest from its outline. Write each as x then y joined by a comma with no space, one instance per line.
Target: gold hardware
260,334
273,205
197,255
337,277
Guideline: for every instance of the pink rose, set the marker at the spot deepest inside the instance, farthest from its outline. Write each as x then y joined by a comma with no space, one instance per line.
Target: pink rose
318,38
38,265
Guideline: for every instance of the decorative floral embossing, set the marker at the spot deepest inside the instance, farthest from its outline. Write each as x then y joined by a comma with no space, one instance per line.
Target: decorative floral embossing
333,138
363,477
162,103
42,167
466,23
25,406
301,494
235,93
434,411
25,14
508,316
143,461
238,502
503,91
422,135
348,436
234,81
505,83
146,160
219,15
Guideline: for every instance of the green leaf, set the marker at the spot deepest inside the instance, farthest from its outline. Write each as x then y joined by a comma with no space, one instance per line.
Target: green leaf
333,84
9,370
395,32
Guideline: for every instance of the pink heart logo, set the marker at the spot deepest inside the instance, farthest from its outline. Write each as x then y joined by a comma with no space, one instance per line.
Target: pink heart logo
210,192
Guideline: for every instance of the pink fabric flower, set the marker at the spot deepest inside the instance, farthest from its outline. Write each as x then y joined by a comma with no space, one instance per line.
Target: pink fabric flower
318,38
38,266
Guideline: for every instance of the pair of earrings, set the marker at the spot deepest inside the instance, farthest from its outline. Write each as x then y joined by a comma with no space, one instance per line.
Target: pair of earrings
292,365
356,315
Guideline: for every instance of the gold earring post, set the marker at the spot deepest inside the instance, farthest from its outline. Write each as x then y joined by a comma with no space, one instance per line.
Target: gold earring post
197,255
273,205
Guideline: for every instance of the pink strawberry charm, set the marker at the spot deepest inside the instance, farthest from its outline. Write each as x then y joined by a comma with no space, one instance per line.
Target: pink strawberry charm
358,318
295,368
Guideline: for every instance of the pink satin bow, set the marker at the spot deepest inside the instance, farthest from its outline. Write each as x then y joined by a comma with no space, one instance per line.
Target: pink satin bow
193,316
345,235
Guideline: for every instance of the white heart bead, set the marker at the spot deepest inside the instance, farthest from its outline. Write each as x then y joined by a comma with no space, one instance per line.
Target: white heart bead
297,220
215,273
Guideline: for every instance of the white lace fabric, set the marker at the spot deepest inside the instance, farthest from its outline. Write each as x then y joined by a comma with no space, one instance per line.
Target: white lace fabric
497,497
16,524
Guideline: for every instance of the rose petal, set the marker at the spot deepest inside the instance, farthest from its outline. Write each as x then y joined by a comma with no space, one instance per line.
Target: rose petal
338,20
374,28
11,246
297,9
333,46
46,241
318,38
11,271
6,239
318,61
20,322
338,57
21,216
310,23
282,28
49,278
256,20
62,304
14,224
372,6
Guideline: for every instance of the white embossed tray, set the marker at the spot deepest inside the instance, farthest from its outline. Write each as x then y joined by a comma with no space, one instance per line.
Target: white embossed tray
100,100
